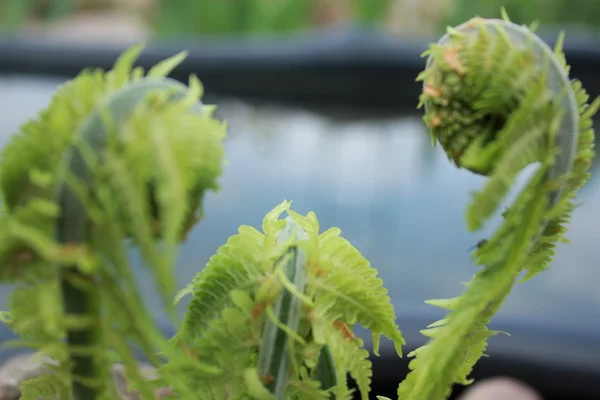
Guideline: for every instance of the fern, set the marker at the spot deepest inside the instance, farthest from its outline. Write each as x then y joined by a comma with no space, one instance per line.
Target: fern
124,158
498,99
116,156
235,324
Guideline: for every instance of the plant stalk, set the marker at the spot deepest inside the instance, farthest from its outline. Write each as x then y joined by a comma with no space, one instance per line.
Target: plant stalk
80,299
81,303
274,357
80,295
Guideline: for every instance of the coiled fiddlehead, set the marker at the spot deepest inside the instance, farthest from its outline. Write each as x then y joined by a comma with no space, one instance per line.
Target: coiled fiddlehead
498,99
117,157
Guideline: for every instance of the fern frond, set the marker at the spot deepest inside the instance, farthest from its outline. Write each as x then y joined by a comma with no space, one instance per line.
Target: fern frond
236,264
498,99
349,356
116,157
47,386
346,283
241,318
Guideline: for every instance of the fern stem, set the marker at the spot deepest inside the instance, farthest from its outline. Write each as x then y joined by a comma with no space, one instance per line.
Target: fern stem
497,98
325,371
80,298
274,355
475,307
81,303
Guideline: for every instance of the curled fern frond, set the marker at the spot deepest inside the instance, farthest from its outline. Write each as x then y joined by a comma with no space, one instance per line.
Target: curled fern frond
272,332
117,158
498,99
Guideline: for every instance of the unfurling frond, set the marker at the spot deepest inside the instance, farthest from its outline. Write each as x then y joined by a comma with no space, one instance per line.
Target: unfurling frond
116,157
498,99
274,311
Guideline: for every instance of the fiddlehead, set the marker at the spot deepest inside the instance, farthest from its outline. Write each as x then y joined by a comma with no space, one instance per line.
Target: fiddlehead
498,99
274,313
116,156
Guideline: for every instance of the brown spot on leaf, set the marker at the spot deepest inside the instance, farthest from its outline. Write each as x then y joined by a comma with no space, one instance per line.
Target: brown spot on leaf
189,351
345,330
435,121
319,271
456,155
452,58
268,379
432,91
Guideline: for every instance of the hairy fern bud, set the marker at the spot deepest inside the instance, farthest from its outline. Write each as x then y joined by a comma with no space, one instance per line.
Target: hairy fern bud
498,99
487,81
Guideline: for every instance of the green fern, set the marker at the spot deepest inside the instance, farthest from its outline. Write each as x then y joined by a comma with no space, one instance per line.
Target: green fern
116,156
498,99
234,298
124,158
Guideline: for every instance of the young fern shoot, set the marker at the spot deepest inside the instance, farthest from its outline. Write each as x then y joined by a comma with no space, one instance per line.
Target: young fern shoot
274,312
498,99
117,157
124,158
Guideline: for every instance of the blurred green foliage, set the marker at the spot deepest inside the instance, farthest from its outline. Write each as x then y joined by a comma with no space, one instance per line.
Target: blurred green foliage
371,11
213,17
218,17
267,17
208,17
548,12
13,13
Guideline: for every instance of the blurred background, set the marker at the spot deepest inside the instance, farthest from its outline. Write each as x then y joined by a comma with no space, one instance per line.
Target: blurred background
321,100
177,18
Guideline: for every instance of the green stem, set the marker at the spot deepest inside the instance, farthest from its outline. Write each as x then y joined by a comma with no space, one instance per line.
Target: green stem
81,303
274,355
458,342
325,371
80,299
